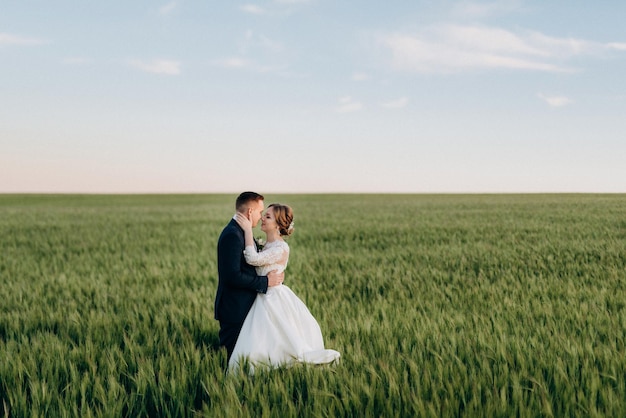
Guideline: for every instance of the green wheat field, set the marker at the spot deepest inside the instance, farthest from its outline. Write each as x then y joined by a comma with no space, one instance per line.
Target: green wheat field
441,305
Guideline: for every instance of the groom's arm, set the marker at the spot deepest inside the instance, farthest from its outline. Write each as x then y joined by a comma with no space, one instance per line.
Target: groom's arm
229,253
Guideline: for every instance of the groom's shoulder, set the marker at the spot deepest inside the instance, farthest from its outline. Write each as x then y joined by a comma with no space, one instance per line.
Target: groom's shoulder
230,228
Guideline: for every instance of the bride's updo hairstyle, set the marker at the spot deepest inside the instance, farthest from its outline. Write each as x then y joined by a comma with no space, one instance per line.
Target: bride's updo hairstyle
284,218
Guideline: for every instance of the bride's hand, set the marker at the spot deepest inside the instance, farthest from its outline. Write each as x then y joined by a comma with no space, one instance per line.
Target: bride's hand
243,222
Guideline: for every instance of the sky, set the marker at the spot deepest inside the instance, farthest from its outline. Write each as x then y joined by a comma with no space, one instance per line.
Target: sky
312,96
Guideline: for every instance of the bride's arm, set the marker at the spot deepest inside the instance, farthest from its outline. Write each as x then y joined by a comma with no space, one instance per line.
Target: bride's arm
268,256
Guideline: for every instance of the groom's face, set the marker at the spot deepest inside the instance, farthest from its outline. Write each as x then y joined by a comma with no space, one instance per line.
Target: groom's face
256,212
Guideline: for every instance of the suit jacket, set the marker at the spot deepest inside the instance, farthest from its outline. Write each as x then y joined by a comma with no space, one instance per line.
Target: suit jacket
238,283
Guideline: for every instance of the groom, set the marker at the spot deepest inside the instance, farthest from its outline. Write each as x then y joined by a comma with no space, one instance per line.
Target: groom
238,283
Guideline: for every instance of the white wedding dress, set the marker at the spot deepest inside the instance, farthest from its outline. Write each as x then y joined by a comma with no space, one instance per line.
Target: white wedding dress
279,329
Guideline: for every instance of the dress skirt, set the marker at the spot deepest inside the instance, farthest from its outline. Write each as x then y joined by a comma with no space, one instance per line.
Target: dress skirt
279,331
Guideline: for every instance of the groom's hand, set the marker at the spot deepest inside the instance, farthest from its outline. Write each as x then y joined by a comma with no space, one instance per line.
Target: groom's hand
274,278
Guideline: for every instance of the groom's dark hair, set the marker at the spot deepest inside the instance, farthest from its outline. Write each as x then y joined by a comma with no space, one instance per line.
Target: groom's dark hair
247,197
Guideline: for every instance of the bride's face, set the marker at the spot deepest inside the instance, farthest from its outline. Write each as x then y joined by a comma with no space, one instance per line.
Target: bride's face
268,221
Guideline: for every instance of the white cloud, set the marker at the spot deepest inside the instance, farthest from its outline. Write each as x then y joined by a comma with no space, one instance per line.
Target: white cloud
168,8
563,47
233,62
77,61
256,46
474,10
236,63
252,9
396,104
618,46
166,67
555,101
277,8
360,77
253,40
8,39
347,104
455,48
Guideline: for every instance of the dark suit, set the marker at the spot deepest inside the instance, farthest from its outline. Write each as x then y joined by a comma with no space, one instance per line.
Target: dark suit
237,286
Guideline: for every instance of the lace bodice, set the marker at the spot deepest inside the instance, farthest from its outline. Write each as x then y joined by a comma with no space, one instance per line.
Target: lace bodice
274,256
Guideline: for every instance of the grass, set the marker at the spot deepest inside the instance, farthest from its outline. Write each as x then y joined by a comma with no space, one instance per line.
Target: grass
441,305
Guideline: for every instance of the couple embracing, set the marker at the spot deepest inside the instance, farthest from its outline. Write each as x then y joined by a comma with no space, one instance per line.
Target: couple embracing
262,322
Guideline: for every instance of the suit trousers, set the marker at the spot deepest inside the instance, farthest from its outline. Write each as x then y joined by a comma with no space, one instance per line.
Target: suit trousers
229,332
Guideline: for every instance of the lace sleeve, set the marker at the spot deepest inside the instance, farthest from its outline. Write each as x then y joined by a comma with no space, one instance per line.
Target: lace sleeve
266,257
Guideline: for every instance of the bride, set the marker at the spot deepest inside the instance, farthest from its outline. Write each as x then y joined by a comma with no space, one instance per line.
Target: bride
279,329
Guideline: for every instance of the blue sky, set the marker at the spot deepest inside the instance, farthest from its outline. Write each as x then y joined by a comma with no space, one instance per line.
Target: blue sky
301,96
